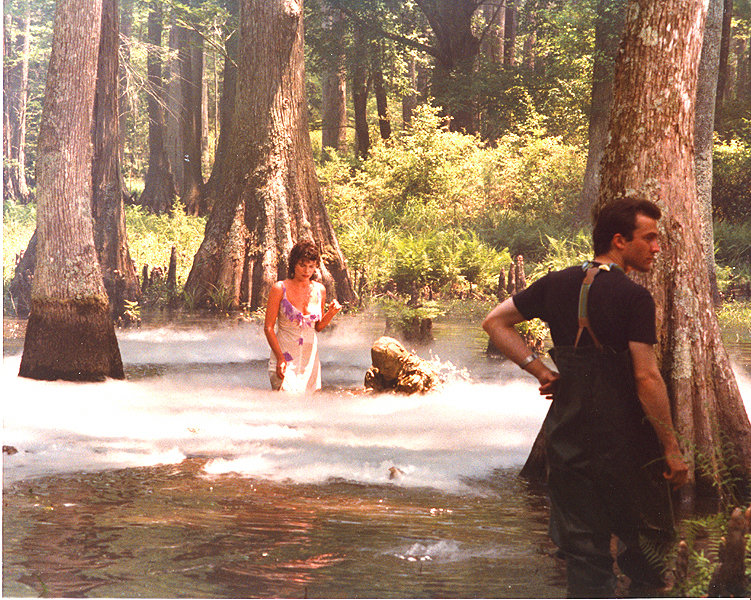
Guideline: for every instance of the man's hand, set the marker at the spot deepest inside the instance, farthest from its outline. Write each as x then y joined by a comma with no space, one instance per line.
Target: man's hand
677,470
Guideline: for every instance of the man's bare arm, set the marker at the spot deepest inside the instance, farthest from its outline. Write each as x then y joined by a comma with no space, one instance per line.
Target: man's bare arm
499,324
653,396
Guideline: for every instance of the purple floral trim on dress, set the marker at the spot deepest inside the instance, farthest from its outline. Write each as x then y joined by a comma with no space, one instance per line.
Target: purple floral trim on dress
287,356
295,316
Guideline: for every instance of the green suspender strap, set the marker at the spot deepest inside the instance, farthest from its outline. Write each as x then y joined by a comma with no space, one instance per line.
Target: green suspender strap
589,277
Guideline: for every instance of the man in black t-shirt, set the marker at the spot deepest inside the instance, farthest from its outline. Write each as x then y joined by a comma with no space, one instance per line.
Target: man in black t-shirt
609,426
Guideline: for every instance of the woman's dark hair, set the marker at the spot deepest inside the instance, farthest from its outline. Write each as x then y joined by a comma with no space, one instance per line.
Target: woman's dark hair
304,250
619,216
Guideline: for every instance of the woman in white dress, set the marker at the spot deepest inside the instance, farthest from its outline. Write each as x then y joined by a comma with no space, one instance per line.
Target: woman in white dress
294,313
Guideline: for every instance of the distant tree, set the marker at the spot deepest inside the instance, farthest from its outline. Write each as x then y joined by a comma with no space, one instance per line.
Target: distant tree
270,195
511,25
334,82
494,14
360,89
651,152
722,76
608,30
227,100
15,91
159,184
70,334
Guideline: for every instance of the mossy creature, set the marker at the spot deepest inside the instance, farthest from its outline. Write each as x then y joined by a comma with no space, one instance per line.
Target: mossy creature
396,368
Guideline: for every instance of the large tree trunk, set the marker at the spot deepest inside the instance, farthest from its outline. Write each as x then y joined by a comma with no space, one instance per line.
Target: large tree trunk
271,197
608,29
159,189
226,108
108,212
651,153
190,57
70,334
360,81
15,89
334,86
706,92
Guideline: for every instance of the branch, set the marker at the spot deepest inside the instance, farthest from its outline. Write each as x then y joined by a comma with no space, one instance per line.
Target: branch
359,21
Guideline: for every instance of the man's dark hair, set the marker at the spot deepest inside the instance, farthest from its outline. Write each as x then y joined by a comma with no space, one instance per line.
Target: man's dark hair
304,250
619,216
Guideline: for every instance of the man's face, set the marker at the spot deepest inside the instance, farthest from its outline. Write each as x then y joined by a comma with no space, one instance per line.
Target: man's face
639,253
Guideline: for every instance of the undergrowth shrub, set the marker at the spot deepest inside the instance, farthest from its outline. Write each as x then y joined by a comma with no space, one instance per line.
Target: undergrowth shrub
731,181
151,237
19,222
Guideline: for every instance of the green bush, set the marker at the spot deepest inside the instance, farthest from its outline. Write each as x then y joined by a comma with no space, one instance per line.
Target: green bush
151,237
731,181
19,222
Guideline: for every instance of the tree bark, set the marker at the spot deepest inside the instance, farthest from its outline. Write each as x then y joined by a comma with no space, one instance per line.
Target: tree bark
334,87
159,189
271,197
173,103
651,153
16,88
108,212
608,29
70,334
706,92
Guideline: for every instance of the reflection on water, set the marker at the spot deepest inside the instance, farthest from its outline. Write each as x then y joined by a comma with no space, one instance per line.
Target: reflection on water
190,478
173,531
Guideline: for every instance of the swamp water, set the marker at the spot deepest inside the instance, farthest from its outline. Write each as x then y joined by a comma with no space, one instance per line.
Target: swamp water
191,479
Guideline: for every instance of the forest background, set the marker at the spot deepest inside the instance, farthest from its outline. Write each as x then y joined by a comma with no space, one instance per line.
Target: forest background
422,206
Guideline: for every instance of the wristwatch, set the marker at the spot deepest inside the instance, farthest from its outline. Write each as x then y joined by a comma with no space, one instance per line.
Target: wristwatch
531,358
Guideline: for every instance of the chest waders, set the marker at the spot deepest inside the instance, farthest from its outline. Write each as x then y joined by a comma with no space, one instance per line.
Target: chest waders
605,467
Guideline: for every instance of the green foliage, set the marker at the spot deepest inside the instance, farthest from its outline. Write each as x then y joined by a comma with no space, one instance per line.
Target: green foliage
736,316
564,252
19,222
731,185
151,237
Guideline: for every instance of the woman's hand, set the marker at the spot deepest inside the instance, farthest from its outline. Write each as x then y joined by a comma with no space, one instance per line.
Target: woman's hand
281,367
334,307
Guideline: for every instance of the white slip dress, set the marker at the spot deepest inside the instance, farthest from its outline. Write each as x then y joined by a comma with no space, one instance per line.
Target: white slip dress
296,333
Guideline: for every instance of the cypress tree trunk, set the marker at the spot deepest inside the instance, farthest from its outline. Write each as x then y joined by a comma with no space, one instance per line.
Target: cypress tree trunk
722,76
15,88
159,189
173,103
70,334
110,237
270,195
651,153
